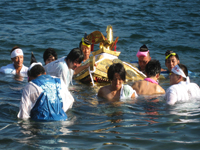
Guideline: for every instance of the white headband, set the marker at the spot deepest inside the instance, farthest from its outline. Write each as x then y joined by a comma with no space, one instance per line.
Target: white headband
16,53
177,70
33,64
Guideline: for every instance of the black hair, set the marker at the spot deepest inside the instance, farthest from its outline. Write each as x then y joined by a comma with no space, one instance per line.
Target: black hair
143,48
152,68
116,68
49,52
169,52
75,55
15,47
185,70
35,71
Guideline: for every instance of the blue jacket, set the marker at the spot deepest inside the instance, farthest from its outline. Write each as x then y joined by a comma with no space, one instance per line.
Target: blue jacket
49,104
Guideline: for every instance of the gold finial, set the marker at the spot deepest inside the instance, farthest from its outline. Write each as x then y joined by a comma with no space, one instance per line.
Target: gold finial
109,34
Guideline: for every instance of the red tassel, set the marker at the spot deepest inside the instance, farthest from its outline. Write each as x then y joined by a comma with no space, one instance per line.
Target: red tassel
92,47
115,47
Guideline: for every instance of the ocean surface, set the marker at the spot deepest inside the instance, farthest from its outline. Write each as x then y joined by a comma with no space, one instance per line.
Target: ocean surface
147,123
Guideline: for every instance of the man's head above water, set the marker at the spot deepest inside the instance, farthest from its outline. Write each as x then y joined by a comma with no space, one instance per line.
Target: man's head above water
143,57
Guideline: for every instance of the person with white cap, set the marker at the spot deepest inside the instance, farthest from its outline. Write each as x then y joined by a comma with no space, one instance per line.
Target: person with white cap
17,66
181,90
43,97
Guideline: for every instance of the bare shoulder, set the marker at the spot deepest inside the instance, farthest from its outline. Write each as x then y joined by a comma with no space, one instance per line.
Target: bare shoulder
160,90
103,91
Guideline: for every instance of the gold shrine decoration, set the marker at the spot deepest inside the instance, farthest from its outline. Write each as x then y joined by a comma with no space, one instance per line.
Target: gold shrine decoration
109,32
105,50
99,65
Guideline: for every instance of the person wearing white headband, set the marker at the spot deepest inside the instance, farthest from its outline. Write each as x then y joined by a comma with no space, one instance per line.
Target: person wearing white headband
17,66
43,98
181,90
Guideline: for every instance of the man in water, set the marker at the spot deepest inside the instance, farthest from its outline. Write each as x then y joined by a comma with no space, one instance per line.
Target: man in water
171,60
42,97
49,55
143,58
65,66
150,85
17,66
64,69
117,75
181,90
85,46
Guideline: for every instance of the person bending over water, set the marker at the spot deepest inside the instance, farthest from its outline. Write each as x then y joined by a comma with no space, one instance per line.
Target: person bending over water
49,55
116,90
181,90
64,69
42,97
65,66
150,85
17,66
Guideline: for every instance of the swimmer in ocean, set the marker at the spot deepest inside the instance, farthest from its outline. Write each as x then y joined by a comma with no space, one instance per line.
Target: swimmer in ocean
149,85
181,90
85,46
49,55
116,90
17,67
43,97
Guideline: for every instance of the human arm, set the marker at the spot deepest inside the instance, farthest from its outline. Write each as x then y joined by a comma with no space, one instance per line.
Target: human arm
9,69
28,100
159,90
101,92
134,95
163,69
81,68
170,97
67,98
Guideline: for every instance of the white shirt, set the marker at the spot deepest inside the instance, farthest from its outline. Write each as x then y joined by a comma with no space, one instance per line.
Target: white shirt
60,69
10,69
30,94
127,91
182,92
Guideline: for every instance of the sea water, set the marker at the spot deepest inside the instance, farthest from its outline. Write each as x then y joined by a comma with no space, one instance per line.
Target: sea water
147,123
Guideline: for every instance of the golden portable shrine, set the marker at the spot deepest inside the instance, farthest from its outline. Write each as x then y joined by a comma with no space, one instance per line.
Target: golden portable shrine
103,58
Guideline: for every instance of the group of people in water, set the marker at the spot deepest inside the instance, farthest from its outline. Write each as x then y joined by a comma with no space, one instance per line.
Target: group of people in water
47,97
